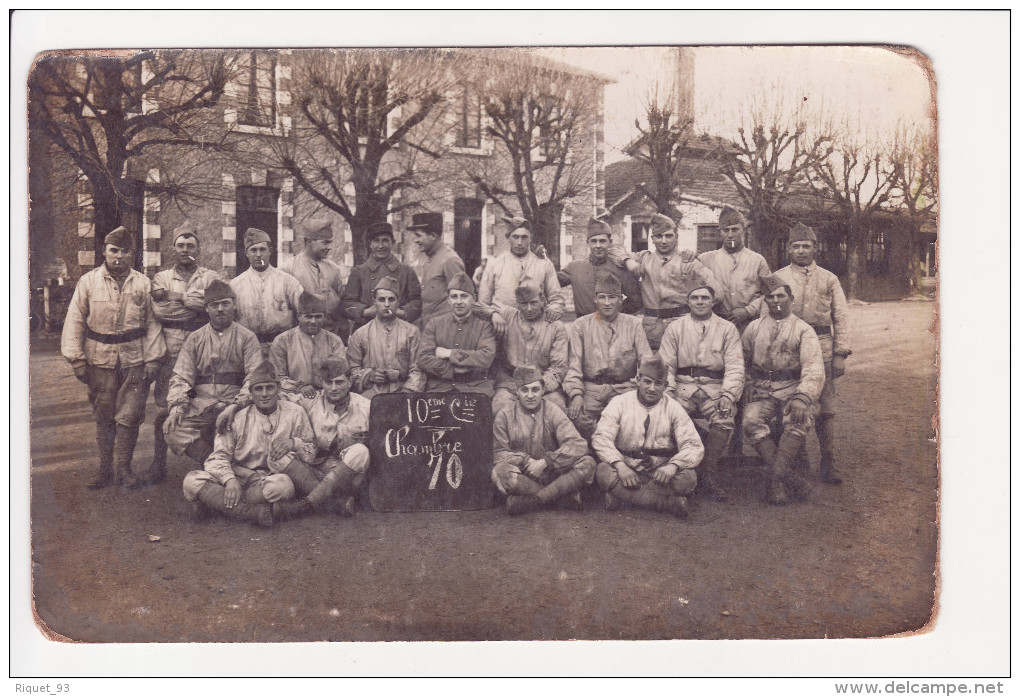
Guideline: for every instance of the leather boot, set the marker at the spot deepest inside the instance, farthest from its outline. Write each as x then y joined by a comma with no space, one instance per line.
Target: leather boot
775,492
212,496
289,510
322,494
825,428
123,452
786,451
105,438
199,451
157,470
675,505
715,447
563,486
518,505
303,477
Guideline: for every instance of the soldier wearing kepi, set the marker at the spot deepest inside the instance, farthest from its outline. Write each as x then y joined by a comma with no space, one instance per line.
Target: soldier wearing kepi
178,300
738,271
818,299
339,420
513,267
114,345
540,458
580,274
267,298
209,375
384,353
457,348
441,265
319,275
359,300
605,350
785,376
705,360
246,472
530,339
647,446
297,352
667,276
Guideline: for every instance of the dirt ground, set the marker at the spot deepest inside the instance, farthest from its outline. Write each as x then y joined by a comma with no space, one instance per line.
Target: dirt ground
856,560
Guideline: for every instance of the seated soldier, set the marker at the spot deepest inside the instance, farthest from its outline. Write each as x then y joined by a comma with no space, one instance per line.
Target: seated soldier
706,376
605,348
457,348
295,353
785,376
647,446
339,421
248,467
540,458
530,339
384,352
209,375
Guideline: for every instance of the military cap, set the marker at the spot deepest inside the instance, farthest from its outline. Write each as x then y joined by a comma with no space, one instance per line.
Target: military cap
432,223
120,237
387,283
802,233
317,229
772,283
262,374
218,290
608,283
526,374
653,367
599,227
310,303
461,281
527,291
707,287
516,222
333,367
186,228
730,216
376,229
662,223
254,236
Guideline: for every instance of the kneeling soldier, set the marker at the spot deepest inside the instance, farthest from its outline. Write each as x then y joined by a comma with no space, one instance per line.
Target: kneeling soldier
247,470
540,458
339,420
647,446
785,376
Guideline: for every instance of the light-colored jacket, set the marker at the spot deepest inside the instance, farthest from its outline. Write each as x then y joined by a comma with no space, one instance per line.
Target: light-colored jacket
713,344
268,301
504,274
250,435
628,426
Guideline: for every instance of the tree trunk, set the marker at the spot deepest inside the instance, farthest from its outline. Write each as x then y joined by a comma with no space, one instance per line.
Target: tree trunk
547,230
856,236
371,208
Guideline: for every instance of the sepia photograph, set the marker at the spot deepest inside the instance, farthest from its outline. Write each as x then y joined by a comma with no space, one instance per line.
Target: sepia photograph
511,343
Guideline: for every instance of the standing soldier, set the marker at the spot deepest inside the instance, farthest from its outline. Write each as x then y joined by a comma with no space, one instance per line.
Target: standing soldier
267,298
457,348
318,275
178,300
384,353
114,345
358,299
703,354
667,276
297,352
647,446
818,300
540,458
580,274
785,376
513,267
441,265
738,271
339,421
530,339
209,375
605,350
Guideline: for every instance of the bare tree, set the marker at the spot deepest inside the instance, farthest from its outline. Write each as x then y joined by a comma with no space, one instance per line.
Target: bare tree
107,110
913,166
857,180
769,163
537,116
661,144
367,125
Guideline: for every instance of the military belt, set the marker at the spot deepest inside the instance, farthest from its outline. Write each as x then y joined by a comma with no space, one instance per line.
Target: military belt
132,335
225,378
699,372
774,375
665,312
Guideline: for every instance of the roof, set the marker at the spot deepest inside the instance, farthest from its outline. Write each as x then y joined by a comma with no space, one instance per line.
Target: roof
703,181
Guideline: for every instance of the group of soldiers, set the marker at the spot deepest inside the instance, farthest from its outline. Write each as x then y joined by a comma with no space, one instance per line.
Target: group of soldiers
277,415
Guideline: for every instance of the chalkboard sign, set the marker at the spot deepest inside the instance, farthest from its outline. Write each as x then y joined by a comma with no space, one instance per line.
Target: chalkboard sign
431,451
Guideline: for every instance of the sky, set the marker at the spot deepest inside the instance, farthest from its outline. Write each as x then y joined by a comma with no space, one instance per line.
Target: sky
873,87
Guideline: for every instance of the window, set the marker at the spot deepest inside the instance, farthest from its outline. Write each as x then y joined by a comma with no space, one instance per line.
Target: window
256,207
549,133
878,253
709,238
469,118
639,236
259,90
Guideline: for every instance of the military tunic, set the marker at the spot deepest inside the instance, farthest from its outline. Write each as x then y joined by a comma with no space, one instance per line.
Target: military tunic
393,347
